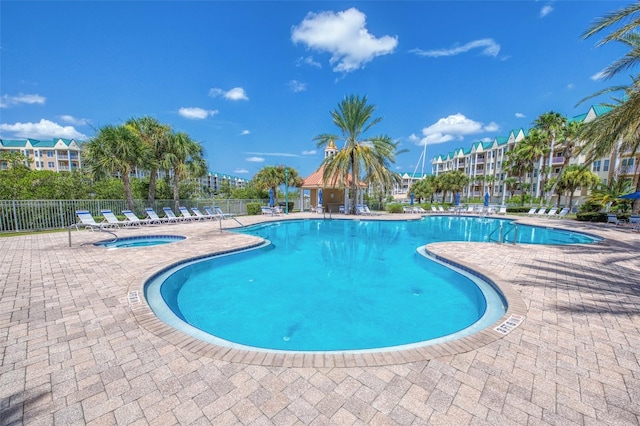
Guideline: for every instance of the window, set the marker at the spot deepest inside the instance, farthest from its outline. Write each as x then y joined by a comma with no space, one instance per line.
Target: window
596,166
50,154
556,170
605,167
50,164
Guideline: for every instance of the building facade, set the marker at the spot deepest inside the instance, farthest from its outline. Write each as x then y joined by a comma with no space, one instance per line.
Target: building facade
483,163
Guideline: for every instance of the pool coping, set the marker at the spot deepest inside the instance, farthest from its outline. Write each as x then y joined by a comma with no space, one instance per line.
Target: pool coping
514,316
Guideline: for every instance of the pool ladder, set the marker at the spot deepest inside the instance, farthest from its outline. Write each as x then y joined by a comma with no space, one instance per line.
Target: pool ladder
502,233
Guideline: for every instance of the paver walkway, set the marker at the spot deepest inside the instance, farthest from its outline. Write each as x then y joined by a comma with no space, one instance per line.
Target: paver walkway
73,350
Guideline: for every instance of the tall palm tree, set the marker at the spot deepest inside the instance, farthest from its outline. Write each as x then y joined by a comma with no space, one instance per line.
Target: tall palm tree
550,125
156,136
517,164
184,157
618,129
115,150
360,156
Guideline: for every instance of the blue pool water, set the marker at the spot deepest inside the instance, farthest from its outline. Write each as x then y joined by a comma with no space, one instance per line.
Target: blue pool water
338,285
140,241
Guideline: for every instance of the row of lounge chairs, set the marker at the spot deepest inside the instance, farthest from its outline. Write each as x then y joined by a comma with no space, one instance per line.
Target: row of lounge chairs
552,213
633,223
86,220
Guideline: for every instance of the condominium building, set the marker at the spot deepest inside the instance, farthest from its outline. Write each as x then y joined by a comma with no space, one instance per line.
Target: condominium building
56,154
483,163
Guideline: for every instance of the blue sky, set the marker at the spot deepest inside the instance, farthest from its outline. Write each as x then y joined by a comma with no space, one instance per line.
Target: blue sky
255,82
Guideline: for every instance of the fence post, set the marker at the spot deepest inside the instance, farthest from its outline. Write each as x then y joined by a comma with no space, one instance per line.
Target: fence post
15,217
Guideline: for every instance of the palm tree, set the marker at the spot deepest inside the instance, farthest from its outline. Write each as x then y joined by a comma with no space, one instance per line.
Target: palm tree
184,157
156,136
517,163
618,129
576,176
361,159
115,150
550,125
610,194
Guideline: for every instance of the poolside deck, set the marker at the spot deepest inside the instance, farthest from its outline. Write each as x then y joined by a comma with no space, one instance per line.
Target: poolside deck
78,347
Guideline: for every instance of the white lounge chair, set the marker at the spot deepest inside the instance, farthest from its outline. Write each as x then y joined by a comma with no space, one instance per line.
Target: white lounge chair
87,221
532,211
341,209
219,211
111,219
552,212
419,210
613,220
503,210
266,210
541,212
441,209
135,220
169,214
186,215
433,209
201,216
562,213
151,214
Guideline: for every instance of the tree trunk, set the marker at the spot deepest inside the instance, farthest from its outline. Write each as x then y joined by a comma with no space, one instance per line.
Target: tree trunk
153,178
176,191
126,182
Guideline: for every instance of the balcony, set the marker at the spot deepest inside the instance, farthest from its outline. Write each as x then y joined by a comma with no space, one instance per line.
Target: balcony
557,161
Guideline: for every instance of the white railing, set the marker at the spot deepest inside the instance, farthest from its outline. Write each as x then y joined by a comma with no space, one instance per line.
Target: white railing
37,215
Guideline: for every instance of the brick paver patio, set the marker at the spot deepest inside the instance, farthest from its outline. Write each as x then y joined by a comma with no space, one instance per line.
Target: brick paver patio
76,348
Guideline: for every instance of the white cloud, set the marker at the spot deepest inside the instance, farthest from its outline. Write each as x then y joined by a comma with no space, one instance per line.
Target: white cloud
519,115
413,138
255,159
297,86
241,171
245,132
311,152
598,76
7,100
195,113
454,127
345,36
308,60
547,9
75,121
571,86
235,94
44,129
489,48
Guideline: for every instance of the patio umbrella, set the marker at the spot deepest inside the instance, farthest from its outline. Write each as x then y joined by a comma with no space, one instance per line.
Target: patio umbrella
412,198
271,202
486,199
320,196
632,196
457,199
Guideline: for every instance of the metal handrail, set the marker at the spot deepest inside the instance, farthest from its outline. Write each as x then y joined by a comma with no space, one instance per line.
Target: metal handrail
502,235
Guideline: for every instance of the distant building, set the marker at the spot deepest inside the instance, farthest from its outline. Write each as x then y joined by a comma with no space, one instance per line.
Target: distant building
483,163
56,154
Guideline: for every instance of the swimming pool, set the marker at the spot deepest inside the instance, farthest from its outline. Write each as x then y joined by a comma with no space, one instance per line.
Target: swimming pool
337,285
139,241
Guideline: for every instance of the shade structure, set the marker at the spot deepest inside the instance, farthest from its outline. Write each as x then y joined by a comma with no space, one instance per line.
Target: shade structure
486,199
412,198
271,202
632,196
457,199
320,196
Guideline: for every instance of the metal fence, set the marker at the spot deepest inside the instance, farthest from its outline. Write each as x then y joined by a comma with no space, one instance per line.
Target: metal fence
38,215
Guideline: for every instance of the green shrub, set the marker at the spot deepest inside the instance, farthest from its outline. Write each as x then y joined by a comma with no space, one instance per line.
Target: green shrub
518,209
592,216
395,208
254,209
